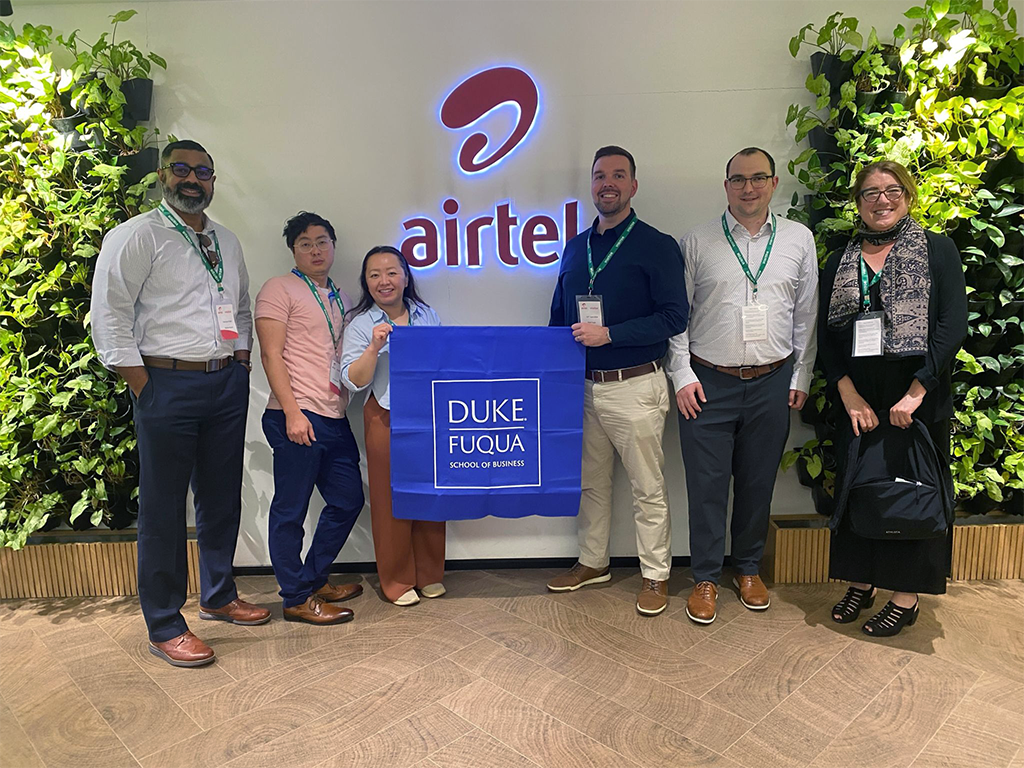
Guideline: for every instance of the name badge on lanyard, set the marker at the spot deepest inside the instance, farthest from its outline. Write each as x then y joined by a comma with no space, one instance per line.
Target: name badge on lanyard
590,309
226,320
868,327
754,316
334,377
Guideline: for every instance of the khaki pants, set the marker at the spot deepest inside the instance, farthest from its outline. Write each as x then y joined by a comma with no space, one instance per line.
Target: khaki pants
627,417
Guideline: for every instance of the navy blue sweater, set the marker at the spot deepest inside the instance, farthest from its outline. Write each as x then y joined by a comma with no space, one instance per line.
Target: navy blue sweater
642,288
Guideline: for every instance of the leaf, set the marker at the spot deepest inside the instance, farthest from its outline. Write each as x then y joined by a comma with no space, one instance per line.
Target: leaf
122,16
161,62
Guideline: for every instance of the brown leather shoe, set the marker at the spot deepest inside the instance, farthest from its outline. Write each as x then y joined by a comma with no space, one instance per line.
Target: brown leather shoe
317,611
701,606
185,650
237,612
653,597
578,576
753,592
335,593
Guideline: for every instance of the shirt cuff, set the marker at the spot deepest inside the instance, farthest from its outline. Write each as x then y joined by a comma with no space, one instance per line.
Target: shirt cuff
243,342
126,357
801,381
928,381
683,377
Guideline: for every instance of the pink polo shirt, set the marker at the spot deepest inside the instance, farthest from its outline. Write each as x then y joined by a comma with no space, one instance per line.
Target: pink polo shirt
307,346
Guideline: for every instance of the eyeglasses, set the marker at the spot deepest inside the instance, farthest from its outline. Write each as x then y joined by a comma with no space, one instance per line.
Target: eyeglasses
182,170
307,246
757,181
892,194
211,255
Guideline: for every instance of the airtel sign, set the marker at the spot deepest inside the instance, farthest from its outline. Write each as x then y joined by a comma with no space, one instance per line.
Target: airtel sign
540,238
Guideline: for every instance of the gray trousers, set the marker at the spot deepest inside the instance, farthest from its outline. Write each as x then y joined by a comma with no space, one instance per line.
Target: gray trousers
740,433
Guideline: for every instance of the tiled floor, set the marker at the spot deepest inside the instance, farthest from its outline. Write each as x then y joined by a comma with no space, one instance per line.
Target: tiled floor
501,673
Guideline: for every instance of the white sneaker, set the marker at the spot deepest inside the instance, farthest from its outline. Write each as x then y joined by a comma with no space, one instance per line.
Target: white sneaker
433,590
408,598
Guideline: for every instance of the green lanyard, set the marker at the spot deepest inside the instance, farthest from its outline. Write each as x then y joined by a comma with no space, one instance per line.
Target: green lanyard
391,322
866,285
590,256
743,262
332,296
217,273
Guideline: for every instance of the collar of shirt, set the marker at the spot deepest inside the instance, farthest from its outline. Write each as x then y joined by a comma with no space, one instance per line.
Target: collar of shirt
207,221
735,226
378,315
615,231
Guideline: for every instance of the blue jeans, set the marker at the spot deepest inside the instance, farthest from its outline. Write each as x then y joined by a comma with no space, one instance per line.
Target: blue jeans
332,465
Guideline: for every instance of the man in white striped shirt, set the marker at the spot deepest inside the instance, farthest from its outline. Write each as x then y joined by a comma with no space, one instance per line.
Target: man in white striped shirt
171,314
745,360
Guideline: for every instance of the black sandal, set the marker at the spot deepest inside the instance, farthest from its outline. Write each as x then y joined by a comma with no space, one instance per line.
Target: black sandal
890,620
854,601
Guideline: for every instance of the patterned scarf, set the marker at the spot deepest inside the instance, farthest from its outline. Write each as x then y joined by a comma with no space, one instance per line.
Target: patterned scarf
905,288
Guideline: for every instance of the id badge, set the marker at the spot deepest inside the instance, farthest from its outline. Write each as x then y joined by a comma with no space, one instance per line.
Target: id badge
336,375
867,335
590,309
226,320
755,322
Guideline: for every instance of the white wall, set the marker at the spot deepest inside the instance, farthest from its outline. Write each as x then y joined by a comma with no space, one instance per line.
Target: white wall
332,107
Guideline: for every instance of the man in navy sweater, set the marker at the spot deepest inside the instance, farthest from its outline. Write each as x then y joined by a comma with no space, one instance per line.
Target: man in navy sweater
621,289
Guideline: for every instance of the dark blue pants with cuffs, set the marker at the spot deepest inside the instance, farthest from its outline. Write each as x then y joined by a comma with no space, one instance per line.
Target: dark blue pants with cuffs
190,427
740,433
332,465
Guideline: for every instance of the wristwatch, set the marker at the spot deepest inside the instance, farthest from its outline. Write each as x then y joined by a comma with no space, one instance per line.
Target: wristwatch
246,363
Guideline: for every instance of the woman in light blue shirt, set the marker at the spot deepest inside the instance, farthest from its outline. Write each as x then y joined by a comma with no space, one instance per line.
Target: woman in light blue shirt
410,553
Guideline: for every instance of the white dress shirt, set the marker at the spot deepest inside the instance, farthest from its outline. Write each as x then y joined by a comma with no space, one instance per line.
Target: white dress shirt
358,333
152,295
718,290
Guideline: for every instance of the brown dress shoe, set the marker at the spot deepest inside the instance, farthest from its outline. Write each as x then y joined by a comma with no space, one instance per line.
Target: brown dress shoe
753,592
185,650
701,605
335,593
578,576
316,611
653,597
237,612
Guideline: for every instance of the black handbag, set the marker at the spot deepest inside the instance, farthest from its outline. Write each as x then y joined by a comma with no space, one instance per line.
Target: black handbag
895,485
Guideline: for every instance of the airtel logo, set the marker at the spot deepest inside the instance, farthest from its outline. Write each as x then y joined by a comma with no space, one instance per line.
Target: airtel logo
478,96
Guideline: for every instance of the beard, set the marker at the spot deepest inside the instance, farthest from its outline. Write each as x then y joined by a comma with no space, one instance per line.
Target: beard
184,203
612,207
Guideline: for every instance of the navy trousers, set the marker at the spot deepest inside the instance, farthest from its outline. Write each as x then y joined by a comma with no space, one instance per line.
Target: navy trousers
190,425
740,433
332,465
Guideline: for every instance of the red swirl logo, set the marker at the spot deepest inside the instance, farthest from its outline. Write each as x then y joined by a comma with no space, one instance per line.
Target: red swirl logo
478,96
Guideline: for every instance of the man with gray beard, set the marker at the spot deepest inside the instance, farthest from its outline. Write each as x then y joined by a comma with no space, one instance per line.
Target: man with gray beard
171,314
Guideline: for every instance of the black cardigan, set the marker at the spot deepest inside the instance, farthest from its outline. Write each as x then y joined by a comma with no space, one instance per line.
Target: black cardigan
947,327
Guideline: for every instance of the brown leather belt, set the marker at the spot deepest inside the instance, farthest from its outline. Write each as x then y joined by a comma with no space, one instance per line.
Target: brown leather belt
621,374
170,364
745,372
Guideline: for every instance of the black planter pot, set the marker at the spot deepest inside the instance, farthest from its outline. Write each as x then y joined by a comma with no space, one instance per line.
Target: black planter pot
985,279
138,95
902,98
979,345
979,505
1010,309
1000,168
825,144
985,92
836,72
139,164
998,378
866,100
71,127
824,430
823,503
803,475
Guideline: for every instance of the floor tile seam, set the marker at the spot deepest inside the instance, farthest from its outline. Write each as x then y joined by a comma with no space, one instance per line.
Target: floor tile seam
36,636
327,713
944,720
641,638
810,677
997,704
490,735
745,665
531,705
399,722
109,727
21,725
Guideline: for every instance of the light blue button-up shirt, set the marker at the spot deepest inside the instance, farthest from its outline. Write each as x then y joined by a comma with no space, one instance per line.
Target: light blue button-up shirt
357,338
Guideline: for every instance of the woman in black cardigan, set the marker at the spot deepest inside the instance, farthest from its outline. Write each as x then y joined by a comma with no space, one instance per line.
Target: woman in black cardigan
916,279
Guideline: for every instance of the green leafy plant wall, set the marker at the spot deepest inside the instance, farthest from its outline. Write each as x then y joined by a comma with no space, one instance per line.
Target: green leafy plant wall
944,97
68,157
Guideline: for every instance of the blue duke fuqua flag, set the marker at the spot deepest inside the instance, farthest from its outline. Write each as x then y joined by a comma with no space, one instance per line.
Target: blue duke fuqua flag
485,421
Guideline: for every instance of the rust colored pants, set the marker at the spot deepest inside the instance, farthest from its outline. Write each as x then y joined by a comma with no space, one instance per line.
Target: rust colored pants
410,553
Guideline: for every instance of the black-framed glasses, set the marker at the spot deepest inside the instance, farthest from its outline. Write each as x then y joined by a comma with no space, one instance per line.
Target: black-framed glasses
892,194
307,246
182,170
206,244
757,181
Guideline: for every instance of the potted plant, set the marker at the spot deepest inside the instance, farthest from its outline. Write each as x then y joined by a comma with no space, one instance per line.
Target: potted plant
836,40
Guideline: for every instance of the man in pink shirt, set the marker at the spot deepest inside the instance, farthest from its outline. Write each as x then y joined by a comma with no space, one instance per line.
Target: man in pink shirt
300,318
